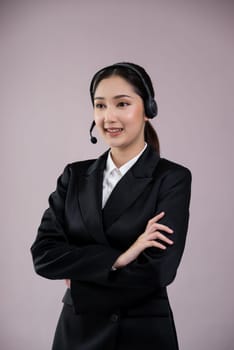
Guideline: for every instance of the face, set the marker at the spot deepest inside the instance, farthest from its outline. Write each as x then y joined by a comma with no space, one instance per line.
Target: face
119,114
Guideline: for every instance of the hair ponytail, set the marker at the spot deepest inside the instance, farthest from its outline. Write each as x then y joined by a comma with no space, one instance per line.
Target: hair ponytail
151,137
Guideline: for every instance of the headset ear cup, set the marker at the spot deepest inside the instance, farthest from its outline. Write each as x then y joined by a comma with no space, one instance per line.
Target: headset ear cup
151,108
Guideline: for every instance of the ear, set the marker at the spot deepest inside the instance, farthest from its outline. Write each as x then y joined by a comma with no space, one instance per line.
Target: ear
146,119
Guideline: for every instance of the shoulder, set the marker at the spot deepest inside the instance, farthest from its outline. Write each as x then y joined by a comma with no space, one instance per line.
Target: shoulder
86,167
163,167
173,177
166,167
77,168
80,166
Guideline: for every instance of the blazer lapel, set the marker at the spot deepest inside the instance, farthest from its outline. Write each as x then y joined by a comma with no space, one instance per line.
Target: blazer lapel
131,185
90,198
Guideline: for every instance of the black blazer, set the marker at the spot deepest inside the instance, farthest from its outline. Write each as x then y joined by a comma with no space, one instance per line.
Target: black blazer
78,240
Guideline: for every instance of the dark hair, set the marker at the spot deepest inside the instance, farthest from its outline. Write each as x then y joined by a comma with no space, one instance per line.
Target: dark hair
138,85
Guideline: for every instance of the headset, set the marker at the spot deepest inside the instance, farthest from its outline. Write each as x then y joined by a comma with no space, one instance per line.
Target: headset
150,104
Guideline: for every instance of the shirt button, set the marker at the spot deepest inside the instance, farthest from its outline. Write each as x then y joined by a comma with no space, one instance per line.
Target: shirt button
114,317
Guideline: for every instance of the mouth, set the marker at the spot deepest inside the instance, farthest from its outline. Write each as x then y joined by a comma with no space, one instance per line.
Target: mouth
113,131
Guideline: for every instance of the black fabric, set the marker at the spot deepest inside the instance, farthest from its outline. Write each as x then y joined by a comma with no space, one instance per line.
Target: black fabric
114,331
78,240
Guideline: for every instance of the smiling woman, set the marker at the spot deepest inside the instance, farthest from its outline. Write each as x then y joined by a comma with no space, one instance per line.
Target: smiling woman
140,83
120,118
119,245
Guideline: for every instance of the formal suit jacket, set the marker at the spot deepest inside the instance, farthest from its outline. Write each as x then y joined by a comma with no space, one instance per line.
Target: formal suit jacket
79,240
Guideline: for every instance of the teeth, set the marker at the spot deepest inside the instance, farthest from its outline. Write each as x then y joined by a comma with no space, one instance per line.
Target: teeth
114,130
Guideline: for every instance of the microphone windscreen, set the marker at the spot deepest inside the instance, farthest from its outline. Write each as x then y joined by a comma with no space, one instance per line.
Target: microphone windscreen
93,139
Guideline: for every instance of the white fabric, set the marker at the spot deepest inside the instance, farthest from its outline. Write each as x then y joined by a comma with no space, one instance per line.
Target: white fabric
112,174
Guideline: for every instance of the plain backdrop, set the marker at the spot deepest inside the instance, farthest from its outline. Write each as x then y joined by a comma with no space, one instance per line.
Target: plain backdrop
49,53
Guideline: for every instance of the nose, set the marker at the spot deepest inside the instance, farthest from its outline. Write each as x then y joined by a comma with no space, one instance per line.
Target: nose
109,115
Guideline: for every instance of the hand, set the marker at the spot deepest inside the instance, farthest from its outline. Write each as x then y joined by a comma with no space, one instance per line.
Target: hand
68,283
146,240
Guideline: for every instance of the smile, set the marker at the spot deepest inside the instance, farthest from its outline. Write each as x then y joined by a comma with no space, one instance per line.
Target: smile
113,130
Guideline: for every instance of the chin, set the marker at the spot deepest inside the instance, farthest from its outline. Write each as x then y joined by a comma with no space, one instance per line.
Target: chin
115,144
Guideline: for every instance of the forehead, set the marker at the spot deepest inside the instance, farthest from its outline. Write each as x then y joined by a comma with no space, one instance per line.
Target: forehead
114,85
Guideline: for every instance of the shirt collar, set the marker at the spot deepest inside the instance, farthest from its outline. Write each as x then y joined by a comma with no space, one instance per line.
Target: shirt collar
110,165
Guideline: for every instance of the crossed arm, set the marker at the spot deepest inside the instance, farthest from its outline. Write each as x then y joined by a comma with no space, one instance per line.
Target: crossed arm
146,240
150,263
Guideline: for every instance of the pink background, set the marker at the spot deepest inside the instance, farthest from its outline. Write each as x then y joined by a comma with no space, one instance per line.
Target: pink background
49,52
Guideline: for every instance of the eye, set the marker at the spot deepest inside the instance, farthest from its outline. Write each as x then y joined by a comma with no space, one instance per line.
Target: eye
99,105
123,104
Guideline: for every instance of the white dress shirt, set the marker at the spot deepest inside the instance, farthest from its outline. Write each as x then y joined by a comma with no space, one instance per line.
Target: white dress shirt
112,174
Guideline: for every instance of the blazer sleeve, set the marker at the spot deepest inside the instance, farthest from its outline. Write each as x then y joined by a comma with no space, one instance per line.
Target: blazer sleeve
54,257
156,267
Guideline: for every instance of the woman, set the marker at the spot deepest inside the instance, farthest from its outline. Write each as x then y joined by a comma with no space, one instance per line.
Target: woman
116,226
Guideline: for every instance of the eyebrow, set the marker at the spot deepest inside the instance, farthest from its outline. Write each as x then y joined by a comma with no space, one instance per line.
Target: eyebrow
115,97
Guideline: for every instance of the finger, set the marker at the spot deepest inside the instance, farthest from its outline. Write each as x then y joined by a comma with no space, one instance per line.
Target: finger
162,227
155,227
157,217
158,235
156,245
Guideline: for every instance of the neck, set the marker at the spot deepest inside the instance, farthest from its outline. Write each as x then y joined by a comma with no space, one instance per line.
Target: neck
122,156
